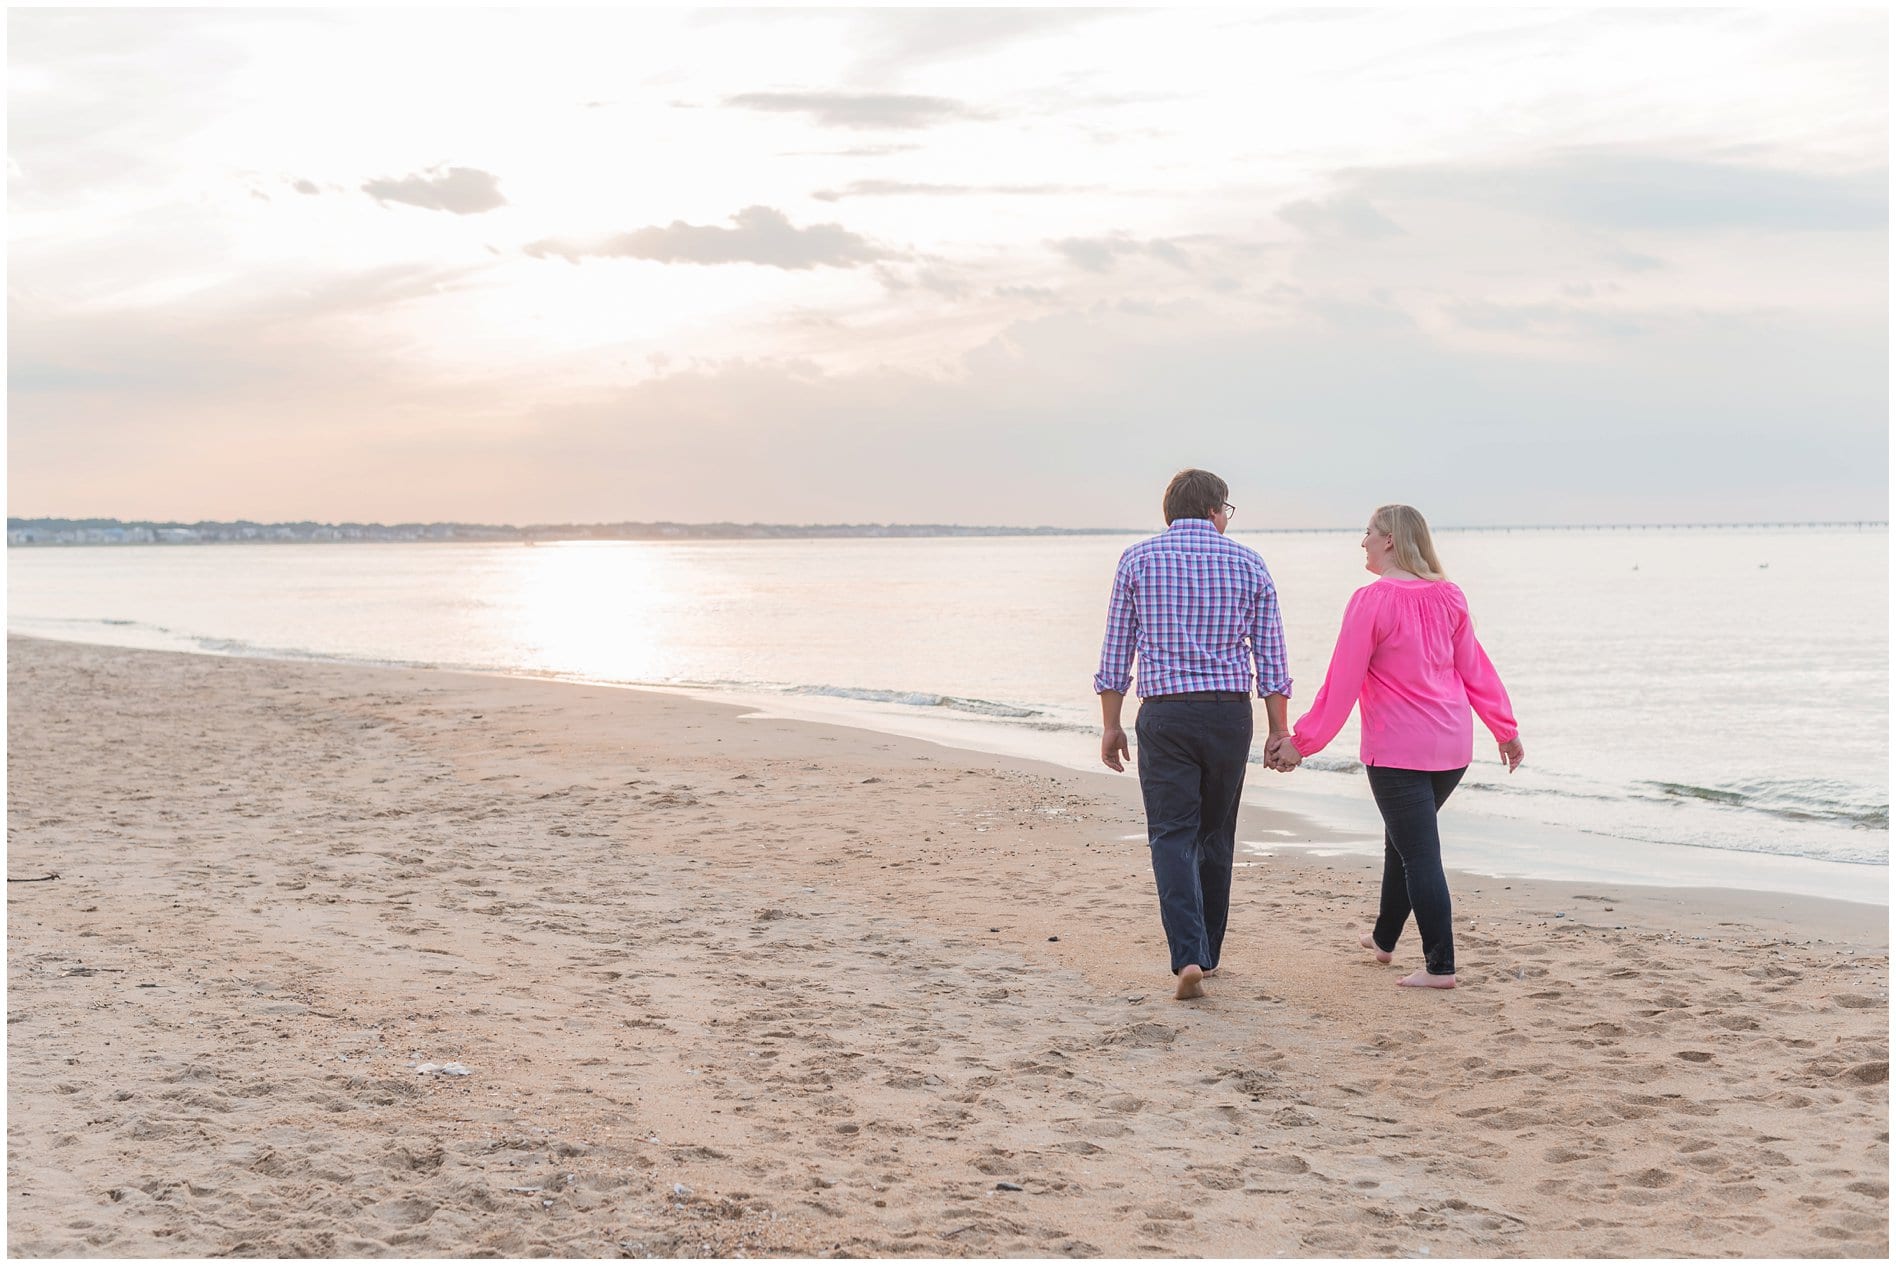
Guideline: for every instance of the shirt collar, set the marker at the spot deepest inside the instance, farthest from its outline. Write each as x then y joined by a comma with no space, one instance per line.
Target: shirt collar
1191,525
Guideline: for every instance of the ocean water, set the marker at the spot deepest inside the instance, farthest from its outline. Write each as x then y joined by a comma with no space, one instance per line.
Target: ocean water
1689,699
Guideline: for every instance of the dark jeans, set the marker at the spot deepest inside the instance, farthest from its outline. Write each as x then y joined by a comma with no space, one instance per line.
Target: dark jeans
1192,755
1412,860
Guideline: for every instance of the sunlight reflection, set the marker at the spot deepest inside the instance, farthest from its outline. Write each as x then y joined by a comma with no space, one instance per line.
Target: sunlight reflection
602,609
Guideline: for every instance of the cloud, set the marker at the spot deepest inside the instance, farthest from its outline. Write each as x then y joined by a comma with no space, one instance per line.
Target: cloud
461,190
1345,216
1361,316
304,186
915,36
1070,394
856,151
264,332
262,415
353,295
902,188
1544,319
1095,255
1101,254
861,111
1033,294
1634,261
70,73
1159,248
763,235
1622,190
931,279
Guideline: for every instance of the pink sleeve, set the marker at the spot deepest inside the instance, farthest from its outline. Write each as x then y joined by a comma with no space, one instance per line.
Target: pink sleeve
1349,664
1486,694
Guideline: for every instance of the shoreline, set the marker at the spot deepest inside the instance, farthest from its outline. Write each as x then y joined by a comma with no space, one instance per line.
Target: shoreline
1346,820
1486,844
731,985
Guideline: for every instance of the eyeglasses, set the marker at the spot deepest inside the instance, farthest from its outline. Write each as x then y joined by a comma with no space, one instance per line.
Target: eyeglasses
1229,509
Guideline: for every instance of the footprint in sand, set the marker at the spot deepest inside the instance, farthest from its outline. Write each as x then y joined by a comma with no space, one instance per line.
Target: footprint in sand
1653,1179
1874,1073
1856,1001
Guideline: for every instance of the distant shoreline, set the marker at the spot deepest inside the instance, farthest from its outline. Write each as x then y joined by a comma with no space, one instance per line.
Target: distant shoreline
67,532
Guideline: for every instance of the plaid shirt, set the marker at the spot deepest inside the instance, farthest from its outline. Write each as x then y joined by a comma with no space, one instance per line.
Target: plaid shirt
1196,607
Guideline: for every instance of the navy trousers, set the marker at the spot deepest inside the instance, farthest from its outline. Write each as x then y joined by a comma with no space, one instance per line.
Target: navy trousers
1192,756
1412,860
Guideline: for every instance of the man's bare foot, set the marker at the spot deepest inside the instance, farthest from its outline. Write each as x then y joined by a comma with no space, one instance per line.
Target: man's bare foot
1191,983
1368,942
1422,980
1210,972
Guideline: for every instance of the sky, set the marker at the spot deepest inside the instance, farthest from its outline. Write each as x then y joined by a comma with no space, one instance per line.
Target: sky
981,266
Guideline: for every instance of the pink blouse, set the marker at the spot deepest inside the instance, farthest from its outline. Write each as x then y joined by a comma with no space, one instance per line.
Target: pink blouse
1407,652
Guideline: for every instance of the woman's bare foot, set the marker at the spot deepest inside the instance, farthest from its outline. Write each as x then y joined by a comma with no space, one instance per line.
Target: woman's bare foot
1383,956
1191,983
1422,980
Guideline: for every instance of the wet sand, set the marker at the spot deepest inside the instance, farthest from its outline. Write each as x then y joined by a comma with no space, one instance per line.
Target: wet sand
737,986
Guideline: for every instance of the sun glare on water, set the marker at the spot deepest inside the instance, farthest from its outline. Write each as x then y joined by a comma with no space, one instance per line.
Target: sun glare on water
596,609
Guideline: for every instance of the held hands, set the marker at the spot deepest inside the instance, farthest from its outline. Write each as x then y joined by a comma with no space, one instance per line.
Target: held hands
1281,754
1512,754
1112,748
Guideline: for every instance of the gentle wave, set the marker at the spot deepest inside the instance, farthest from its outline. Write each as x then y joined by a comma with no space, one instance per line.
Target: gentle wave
240,649
919,699
909,698
51,621
1801,802
1869,855
1830,802
249,650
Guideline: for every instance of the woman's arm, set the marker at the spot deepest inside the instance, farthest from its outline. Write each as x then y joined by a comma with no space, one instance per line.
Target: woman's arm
1349,664
1486,694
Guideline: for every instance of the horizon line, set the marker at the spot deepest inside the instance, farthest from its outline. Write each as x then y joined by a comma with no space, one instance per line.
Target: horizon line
17,522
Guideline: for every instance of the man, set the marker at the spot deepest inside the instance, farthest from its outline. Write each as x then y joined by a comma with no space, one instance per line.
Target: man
1196,610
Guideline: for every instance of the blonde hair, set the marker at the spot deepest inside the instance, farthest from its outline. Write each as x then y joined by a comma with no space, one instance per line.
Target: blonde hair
1414,550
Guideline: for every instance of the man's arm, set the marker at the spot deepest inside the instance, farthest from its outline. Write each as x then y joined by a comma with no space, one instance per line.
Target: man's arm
1276,708
1115,668
1112,741
1277,711
1273,661
1273,667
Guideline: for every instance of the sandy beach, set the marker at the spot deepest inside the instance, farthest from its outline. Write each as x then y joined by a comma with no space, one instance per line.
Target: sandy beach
374,962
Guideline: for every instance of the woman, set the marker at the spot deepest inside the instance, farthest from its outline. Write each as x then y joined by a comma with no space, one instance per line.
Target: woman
1407,653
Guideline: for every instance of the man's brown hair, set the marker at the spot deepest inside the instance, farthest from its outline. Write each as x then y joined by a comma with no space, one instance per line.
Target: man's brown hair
1194,494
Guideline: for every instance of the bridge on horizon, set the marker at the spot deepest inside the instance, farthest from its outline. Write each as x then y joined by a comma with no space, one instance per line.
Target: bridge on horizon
1858,524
